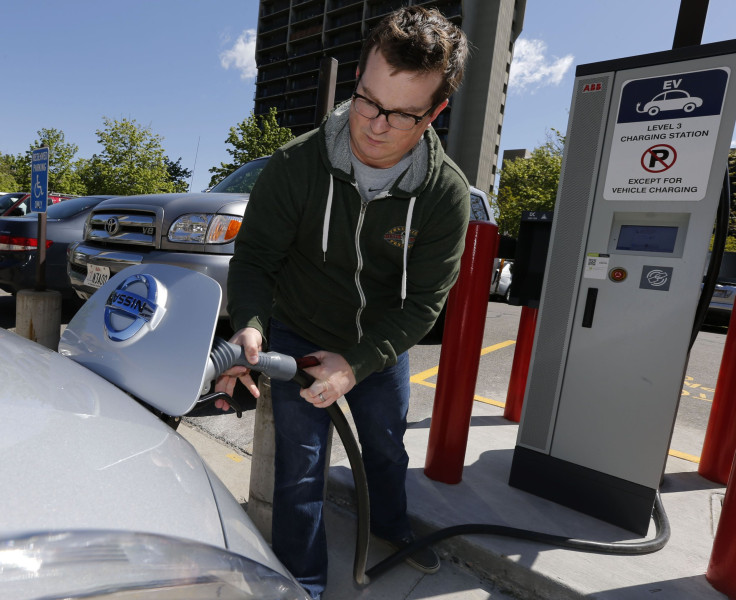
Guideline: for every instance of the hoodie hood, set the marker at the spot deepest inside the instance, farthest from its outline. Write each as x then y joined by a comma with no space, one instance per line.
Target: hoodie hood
335,147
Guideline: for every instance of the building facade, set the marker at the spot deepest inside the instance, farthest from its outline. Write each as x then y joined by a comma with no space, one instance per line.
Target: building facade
294,35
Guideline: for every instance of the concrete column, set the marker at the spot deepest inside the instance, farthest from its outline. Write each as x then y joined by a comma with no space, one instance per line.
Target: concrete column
38,316
260,493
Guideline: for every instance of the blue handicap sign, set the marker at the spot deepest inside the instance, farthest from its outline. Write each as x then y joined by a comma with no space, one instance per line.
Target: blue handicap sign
683,95
39,180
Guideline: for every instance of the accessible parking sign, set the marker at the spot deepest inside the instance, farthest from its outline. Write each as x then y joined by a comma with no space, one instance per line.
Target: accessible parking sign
39,180
665,136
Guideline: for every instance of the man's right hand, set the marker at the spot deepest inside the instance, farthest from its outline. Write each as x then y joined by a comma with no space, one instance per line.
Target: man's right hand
252,341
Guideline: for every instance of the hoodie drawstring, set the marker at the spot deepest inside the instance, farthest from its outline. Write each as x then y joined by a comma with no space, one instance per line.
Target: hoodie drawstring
326,223
407,234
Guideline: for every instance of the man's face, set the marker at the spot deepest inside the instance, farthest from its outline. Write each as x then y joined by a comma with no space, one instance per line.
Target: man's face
374,142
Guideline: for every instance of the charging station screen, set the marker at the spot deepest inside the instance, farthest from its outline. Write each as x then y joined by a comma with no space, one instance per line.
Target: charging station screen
647,238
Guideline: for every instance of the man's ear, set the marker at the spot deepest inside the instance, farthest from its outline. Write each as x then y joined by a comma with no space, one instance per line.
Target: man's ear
436,112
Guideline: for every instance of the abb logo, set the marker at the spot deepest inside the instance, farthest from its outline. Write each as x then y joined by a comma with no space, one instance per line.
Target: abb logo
593,87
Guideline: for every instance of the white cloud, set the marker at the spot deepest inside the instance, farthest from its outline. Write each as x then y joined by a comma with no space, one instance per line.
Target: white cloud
242,55
531,68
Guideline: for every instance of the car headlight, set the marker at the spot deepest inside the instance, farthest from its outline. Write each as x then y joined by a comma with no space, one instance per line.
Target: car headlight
201,228
109,564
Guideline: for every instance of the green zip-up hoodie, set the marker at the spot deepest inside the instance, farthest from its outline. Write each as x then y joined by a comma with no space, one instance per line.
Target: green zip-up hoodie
338,270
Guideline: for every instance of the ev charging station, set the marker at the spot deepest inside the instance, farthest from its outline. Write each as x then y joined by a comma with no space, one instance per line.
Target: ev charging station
644,164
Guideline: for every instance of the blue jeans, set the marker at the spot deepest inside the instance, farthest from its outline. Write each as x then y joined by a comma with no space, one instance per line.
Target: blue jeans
379,405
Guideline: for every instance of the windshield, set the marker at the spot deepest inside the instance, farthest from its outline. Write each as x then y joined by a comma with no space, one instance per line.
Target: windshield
7,200
241,181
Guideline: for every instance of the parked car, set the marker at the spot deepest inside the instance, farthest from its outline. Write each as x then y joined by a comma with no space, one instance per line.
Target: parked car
196,231
19,245
501,278
21,204
101,498
721,304
9,199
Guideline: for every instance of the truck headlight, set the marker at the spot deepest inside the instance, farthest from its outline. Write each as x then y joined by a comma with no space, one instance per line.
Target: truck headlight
201,228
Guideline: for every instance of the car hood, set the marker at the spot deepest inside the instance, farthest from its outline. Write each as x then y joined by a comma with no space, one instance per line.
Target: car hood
179,204
76,453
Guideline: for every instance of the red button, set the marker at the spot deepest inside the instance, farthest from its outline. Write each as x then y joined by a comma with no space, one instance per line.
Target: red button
617,274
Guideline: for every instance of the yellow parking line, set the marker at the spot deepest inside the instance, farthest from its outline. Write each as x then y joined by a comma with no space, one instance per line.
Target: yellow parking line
421,379
684,456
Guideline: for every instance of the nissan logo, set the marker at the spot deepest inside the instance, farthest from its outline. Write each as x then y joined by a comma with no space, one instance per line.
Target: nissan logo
112,225
126,312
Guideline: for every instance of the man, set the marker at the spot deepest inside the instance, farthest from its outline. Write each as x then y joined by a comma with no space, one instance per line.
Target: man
350,243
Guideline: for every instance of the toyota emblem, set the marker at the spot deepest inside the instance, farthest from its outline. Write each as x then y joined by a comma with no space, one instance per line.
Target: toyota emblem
112,225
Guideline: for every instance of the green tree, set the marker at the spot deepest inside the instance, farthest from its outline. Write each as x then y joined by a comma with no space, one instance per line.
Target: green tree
8,183
63,176
529,184
252,138
731,237
178,175
132,161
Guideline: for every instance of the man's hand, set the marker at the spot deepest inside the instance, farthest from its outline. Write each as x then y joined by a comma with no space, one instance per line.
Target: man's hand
252,341
334,377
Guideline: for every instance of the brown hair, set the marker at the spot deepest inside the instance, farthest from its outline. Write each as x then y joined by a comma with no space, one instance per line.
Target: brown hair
422,40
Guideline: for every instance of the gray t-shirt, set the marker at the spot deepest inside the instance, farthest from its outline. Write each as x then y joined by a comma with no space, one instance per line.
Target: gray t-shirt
372,181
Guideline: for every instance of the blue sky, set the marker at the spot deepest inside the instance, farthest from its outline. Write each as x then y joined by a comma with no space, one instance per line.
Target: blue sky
186,69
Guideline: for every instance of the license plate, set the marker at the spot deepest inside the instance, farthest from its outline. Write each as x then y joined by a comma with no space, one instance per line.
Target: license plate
97,276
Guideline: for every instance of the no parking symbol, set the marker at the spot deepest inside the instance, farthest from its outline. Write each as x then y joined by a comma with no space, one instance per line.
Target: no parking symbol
658,159
666,124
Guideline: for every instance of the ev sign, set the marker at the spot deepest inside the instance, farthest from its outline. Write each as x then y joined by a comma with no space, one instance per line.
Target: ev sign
39,179
665,136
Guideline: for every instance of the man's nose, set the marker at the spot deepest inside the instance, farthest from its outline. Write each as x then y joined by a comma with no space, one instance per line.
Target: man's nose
380,124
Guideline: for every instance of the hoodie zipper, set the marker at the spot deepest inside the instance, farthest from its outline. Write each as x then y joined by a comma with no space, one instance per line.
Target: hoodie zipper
359,267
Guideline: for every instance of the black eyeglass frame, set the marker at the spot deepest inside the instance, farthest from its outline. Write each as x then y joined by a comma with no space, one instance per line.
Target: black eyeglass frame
383,111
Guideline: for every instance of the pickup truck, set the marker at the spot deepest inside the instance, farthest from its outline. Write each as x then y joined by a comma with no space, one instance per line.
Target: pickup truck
196,231
192,230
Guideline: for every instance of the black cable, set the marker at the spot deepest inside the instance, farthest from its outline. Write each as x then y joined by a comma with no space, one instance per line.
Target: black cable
361,491
627,548
363,577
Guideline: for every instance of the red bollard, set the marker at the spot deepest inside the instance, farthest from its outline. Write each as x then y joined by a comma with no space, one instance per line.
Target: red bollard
520,366
721,571
719,445
462,340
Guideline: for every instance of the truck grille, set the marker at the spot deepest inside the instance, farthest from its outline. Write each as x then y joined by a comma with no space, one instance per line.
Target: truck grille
131,228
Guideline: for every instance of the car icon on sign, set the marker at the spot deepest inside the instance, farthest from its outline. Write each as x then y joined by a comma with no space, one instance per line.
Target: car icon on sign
670,100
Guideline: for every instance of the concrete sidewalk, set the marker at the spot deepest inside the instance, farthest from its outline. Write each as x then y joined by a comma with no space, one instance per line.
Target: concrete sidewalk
535,570
454,581
519,569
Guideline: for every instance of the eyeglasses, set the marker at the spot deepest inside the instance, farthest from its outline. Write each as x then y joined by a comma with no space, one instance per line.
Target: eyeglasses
397,120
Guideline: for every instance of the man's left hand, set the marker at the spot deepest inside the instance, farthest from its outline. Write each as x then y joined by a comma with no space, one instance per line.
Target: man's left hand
333,377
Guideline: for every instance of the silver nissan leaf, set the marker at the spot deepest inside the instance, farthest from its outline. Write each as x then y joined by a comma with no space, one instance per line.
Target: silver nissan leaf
101,498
